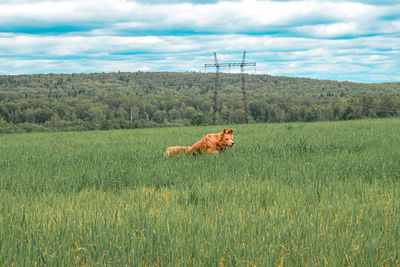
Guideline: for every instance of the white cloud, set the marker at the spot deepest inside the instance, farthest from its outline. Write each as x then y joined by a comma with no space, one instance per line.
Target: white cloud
331,30
328,39
247,16
275,55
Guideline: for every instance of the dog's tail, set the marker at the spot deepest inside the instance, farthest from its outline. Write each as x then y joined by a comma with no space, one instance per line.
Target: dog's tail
176,150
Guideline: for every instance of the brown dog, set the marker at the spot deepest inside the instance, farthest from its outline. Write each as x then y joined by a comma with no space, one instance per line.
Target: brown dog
209,143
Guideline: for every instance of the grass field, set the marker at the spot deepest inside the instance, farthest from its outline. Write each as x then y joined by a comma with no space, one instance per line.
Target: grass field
286,194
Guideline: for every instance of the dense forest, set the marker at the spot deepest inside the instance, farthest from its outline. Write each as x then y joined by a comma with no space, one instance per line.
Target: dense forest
49,102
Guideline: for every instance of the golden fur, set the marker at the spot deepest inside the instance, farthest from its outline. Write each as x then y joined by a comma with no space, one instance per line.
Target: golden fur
209,143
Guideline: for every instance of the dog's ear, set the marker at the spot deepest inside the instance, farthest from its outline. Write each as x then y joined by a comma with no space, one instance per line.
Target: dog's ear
230,131
221,135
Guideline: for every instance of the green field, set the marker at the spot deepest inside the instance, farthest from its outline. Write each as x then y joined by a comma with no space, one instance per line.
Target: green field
322,193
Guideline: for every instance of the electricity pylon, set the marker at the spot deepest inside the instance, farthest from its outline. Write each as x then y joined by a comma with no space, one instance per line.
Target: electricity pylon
217,85
246,110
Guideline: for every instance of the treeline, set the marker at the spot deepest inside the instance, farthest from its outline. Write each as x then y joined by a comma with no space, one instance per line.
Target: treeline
142,99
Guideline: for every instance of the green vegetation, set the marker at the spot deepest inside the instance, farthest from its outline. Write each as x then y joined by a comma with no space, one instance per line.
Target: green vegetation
140,100
324,193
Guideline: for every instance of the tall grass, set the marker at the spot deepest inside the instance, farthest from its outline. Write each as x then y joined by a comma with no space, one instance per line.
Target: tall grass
286,194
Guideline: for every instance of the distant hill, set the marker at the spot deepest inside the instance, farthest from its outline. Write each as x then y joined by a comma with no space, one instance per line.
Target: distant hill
151,99
177,82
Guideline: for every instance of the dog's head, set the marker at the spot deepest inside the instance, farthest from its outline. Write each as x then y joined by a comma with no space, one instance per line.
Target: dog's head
225,138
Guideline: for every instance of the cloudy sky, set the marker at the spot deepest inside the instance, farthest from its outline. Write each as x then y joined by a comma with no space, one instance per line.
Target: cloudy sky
356,40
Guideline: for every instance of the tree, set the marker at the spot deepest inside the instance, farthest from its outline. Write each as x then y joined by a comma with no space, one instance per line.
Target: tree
96,114
173,114
198,119
367,106
225,113
158,116
275,113
309,114
190,112
349,111
105,100
42,114
6,127
256,111
121,113
293,113
238,116
387,107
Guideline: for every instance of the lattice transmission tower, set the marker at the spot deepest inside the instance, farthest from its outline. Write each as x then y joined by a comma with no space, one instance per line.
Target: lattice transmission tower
217,84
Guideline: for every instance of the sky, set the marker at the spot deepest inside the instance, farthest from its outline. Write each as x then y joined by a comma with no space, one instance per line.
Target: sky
356,40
